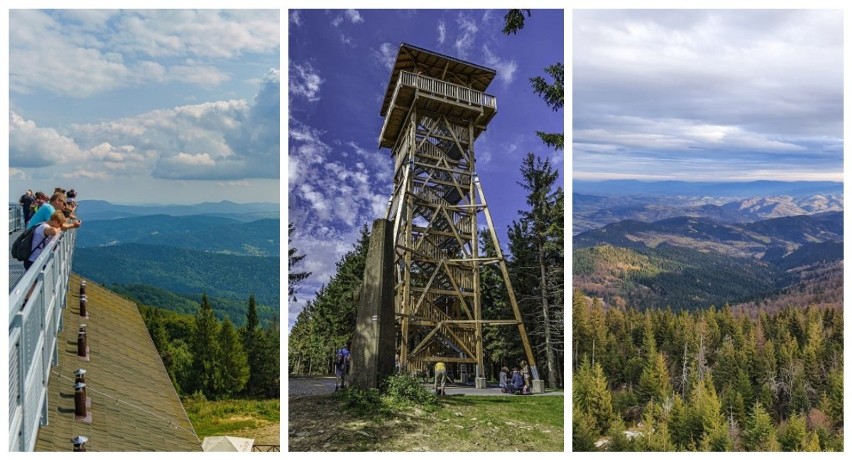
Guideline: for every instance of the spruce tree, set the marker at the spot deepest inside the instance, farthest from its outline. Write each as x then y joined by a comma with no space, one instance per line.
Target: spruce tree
234,363
759,434
251,344
591,395
206,352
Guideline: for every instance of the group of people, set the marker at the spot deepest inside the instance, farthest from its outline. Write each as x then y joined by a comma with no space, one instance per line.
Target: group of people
49,217
518,382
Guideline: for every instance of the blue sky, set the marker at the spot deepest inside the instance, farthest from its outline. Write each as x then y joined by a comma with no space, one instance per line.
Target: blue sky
145,106
339,67
707,95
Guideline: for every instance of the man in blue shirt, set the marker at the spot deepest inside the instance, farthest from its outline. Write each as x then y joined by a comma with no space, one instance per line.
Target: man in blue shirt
56,203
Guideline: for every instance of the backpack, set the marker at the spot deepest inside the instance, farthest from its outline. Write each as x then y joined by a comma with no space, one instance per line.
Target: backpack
22,248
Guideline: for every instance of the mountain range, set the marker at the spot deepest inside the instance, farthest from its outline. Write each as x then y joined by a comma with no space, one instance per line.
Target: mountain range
220,249
99,209
693,252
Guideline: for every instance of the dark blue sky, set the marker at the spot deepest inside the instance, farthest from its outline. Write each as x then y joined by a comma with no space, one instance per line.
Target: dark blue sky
339,67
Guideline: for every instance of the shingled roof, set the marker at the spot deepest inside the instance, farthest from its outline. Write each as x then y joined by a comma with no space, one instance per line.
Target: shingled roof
134,406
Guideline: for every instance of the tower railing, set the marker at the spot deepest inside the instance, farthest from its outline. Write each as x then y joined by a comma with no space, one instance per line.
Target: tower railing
449,90
35,312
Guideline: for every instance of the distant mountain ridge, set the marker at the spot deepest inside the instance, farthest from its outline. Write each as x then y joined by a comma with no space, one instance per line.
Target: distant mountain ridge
742,240
99,209
593,211
713,189
199,232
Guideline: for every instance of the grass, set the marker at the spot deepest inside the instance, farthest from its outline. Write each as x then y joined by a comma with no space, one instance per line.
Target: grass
232,416
456,423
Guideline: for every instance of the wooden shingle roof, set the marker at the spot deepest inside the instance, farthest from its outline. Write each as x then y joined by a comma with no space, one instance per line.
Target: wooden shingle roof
134,406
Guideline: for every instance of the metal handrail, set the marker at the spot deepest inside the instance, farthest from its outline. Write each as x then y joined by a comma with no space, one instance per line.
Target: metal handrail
35,310
16,218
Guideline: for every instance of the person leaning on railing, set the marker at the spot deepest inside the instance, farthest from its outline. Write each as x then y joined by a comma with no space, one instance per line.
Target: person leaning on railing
45,232
44,213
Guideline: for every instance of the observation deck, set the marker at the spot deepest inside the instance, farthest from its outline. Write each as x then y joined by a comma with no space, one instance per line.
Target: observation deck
437,84
133,404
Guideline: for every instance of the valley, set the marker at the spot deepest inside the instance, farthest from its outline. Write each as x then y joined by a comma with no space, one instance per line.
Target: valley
691,252
165,256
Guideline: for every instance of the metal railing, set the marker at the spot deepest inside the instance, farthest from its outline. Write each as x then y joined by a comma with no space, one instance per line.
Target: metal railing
16,218
35,312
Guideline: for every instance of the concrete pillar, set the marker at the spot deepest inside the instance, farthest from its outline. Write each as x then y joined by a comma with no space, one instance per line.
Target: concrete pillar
480,383
374,345
538,386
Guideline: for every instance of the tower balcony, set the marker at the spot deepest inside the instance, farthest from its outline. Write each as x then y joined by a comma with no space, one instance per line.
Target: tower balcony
436,96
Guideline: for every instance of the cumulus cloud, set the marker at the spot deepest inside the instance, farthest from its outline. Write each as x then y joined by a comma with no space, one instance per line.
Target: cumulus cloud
81,53
33,147
220,140
305,81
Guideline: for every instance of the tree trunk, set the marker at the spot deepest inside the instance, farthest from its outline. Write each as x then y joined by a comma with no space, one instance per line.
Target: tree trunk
545,307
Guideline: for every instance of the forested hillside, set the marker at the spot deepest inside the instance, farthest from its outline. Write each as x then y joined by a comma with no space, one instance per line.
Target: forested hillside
182,271
710,380
233,309
200,233
214,359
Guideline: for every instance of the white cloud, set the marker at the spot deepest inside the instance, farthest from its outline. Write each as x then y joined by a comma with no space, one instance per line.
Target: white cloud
442,31
296,17
220,140
505,69
33,147
386,55
467,35
354,16
305,81
80,53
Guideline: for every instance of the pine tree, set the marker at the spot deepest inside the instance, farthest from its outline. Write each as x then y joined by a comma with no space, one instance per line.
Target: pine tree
206,352
294,278
759,434
591,395
251,344
793,434
234,363
539,237
552,93
654,383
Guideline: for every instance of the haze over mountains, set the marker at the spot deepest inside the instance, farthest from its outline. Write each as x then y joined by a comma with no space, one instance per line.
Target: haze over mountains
599,203
672,249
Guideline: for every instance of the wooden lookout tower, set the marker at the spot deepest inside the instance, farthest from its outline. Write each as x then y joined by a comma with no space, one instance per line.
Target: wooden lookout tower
434,109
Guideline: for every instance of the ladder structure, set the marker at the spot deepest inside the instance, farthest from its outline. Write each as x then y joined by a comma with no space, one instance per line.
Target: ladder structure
434,109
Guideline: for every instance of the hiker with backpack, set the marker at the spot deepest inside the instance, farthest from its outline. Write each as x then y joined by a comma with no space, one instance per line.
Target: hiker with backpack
341,367
41,236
